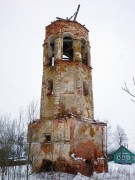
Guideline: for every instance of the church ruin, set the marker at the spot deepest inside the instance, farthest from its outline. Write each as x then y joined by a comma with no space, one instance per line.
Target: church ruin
66,138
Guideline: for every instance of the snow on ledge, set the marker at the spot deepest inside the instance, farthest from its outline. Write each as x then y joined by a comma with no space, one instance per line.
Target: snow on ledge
101,158
77,158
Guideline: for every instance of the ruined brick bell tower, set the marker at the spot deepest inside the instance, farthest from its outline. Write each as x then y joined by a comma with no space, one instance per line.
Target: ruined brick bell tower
66,137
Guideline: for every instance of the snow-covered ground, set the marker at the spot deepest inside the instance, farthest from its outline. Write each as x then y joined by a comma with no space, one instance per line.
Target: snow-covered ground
116,172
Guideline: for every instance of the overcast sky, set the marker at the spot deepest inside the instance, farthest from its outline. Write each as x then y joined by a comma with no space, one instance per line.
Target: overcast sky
112,37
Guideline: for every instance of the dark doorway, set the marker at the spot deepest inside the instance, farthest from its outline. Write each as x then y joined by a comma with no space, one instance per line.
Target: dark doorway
88,173
46,165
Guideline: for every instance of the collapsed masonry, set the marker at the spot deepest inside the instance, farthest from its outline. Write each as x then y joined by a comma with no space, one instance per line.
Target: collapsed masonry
66,137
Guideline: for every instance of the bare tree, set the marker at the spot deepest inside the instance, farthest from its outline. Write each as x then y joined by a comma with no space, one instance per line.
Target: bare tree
108,137
32,114
13,137
126,89
20,137
32,111
7,143
120,137
12,143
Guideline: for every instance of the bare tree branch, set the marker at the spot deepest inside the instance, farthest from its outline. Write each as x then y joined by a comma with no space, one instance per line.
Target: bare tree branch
125,88
133,80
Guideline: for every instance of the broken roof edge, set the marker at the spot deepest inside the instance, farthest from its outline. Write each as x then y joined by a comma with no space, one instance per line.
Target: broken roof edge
64,20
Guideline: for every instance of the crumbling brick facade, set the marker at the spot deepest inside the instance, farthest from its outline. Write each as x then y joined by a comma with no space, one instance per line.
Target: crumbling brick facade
66,137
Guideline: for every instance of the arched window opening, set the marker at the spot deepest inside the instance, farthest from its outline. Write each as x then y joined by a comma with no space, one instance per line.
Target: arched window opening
85,88
51,52
123,157
67,49
118,157
84,52
49,87
128,157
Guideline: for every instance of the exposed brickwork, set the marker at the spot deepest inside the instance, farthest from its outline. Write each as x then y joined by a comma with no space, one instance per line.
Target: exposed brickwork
67,138
67,26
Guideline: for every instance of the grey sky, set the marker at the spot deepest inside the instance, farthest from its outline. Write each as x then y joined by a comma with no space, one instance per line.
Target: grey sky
112,36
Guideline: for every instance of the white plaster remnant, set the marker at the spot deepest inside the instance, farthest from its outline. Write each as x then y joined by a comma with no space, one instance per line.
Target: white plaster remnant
77,158
78,55
101,158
